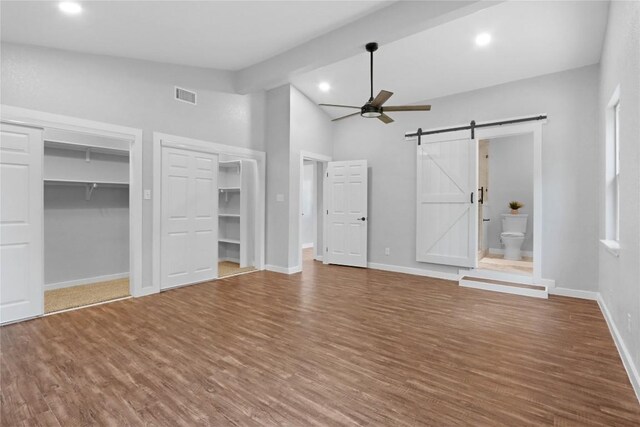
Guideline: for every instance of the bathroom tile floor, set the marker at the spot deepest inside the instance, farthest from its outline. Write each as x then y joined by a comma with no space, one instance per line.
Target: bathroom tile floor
498,263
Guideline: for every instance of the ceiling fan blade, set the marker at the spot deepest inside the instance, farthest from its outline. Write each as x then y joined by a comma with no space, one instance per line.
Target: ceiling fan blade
381,98
408,108
337,105
384,118
344,117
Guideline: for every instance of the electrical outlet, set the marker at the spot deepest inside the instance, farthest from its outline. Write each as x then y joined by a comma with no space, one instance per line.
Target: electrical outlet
628,322
387,251
147,194
279,197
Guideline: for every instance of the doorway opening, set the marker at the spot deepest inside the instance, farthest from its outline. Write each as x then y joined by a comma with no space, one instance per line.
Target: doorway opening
312,233
506,204
86,220
237,204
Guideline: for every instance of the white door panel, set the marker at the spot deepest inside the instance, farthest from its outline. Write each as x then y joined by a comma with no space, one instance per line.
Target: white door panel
347,213
21,210
189,246
446,206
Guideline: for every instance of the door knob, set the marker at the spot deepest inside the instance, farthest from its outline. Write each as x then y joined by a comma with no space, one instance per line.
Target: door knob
362,219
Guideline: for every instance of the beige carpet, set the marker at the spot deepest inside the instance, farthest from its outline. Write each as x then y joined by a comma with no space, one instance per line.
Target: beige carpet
227,268
78,296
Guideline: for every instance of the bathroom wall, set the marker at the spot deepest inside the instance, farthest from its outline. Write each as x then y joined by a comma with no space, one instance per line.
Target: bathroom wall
510,178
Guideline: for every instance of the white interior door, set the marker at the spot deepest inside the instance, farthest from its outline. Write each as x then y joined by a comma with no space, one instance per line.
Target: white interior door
347,213
446,200
189,227
21,212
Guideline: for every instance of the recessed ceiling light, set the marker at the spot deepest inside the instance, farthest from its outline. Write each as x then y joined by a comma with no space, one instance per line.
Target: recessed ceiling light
70,7
324,86
483,39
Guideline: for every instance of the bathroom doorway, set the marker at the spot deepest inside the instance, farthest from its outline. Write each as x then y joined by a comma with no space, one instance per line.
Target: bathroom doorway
506,204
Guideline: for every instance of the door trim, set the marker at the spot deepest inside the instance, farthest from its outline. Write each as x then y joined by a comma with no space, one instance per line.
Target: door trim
322,160
174,141
45,120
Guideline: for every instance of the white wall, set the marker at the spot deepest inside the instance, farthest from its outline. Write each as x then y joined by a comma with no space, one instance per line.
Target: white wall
568,155
278,147
132,93
311,131
619,277
84,239
510,178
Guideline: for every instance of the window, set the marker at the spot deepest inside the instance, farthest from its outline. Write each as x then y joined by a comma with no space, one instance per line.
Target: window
612,175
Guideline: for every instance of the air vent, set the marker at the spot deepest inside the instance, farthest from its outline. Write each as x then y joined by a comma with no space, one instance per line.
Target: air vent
185,95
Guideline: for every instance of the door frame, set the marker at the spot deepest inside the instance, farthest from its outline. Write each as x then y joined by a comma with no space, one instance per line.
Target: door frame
534,128
166,140
321,160
28,117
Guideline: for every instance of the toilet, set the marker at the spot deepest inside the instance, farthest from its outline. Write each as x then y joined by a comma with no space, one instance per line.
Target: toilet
514,228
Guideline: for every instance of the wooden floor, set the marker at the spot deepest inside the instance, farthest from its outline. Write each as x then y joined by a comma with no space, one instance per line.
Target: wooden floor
331,346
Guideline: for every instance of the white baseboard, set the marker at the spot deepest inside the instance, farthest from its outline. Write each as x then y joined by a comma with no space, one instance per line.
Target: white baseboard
627,361
574,293
85,281
236,260
307,245
496,251
319,258
414,271
283,270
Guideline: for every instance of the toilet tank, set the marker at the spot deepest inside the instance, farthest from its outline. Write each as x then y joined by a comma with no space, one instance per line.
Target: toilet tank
514,223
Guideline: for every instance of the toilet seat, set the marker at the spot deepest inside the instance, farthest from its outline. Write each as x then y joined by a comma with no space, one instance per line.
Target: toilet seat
511,234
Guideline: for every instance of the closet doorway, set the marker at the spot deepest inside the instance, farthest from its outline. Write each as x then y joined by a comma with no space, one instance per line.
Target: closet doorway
86,220
228,185
73,139
237,205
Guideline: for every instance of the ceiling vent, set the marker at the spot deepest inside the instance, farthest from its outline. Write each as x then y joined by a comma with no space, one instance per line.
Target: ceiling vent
185,95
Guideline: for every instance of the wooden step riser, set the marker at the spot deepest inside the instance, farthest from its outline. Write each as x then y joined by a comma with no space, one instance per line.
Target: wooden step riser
497,275
535,293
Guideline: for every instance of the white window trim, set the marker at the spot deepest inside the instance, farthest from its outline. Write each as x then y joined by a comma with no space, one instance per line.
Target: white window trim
612,175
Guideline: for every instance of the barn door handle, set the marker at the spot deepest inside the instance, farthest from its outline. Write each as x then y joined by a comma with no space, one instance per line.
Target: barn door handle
481,199
472,197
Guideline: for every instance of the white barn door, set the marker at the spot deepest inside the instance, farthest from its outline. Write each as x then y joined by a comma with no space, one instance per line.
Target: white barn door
21,211
189,225
446,200
347,213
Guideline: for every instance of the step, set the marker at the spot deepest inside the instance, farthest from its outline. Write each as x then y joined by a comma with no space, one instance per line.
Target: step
528,290
497,275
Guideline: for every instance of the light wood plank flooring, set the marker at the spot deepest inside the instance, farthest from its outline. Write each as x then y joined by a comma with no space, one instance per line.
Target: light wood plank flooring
331,346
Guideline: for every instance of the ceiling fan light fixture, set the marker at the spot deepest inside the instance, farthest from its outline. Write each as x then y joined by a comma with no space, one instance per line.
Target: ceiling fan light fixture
370,112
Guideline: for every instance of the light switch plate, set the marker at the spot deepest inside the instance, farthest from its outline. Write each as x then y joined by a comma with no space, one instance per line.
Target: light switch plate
147,194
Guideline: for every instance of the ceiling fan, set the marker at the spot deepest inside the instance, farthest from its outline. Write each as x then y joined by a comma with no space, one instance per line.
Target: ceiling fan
373,107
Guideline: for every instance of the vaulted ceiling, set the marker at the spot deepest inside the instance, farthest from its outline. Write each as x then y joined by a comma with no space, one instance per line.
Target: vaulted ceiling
426,50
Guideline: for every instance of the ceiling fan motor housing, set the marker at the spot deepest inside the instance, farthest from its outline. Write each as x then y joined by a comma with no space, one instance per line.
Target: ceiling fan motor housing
370,111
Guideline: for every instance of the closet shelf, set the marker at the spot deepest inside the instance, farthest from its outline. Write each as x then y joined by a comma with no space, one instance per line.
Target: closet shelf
77,182
223,189
232,241
228,215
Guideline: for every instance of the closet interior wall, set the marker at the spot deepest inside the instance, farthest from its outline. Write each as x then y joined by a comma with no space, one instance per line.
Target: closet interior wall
86,214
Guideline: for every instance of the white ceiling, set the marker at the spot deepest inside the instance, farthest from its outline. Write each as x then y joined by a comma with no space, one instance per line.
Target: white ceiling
227,35
529,38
